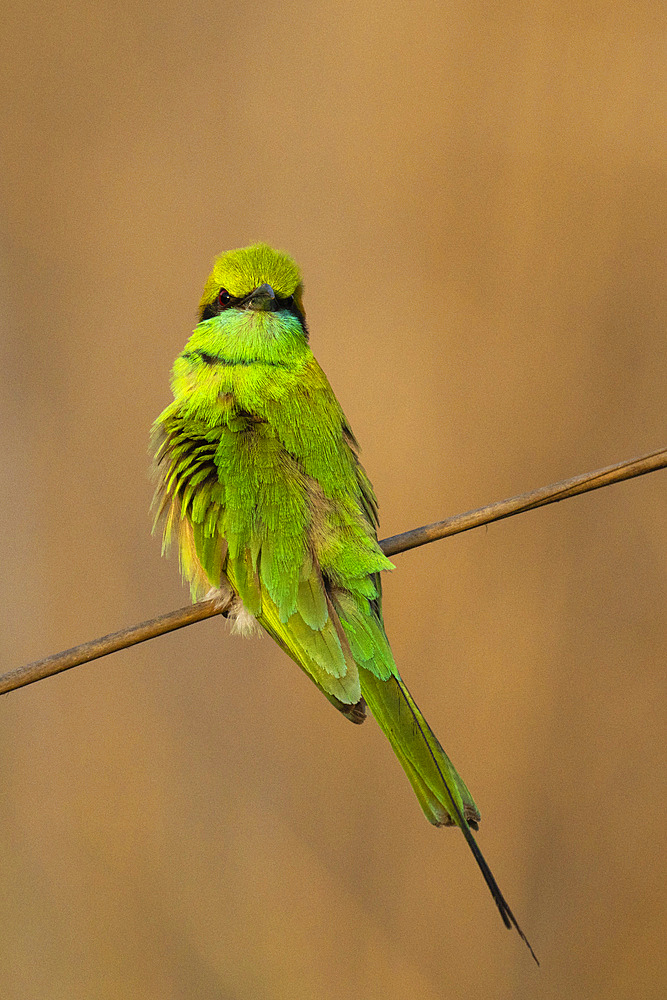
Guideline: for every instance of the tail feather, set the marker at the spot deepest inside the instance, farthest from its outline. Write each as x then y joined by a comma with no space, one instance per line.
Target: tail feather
431,773
503,906
442,793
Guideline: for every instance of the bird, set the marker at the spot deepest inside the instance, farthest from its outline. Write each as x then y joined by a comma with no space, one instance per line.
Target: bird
259,484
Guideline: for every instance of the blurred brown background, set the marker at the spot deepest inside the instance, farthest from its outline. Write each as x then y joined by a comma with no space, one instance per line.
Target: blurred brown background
475,194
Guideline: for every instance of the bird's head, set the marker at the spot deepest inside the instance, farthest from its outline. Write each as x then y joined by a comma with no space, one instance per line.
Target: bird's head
253,279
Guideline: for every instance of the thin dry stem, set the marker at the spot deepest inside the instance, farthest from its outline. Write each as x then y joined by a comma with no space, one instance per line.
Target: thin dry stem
173,620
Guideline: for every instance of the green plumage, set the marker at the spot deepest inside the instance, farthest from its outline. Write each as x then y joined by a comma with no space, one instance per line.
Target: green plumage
260,485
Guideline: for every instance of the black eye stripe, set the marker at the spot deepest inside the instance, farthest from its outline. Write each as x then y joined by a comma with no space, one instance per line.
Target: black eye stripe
216,307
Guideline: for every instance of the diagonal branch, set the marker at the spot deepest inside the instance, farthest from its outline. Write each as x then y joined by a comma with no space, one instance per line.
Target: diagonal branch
173,620
526,501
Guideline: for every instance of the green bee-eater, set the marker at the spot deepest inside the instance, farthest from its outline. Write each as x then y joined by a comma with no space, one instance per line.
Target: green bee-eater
260,483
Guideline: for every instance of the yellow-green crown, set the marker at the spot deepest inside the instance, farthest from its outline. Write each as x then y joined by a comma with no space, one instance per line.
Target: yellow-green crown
240,271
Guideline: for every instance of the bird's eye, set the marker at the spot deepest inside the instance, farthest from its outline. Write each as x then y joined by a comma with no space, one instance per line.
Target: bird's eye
224,298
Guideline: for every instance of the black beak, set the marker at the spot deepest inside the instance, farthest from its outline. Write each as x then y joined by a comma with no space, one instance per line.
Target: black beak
262,299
